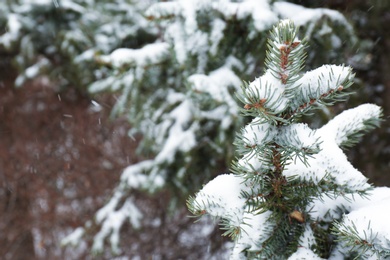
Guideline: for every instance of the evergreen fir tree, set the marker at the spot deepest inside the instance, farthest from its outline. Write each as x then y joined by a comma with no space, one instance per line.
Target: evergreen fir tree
293,194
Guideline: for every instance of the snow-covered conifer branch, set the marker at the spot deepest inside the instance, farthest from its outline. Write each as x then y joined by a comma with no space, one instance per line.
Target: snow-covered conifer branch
285,57
326,83
255,136
283,88
350,125
149,54
362,232
163,10
298,141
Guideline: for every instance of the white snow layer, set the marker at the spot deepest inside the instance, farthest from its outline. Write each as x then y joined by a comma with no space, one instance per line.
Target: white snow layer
255,134
164,9
259,10
307,239
13,29
74,238
298,136
375,216
370,222
221,198
109,212
318,82
253,162
216,35
149,54
187,38
180,136
304,253
350,121
329,208
302,16
112,83
253,233
217,84
270,90
135,178
32,71
112,224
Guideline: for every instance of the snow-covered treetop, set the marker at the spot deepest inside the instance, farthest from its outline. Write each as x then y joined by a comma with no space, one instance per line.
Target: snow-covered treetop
282,89
286,170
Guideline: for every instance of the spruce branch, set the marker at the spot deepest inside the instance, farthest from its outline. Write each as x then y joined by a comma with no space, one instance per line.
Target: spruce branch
289,171
349,236
351,124
262,100
285,57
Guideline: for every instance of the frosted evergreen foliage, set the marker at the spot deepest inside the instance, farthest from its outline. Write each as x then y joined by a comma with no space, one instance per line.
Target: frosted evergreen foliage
293,194
61,39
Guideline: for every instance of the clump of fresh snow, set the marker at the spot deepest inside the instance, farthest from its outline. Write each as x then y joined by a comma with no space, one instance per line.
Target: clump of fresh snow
257,134
333,161
149,54
370,224
112,83
268,90
307,239
318,82
112,224
135,178
180,136
302,16
330,207
74,238
216,35
221,198
297,135
259,10
32,71
304,253
216,84
350,121
183,32
13,31
254,163
175,33
109,207
253,232
165,9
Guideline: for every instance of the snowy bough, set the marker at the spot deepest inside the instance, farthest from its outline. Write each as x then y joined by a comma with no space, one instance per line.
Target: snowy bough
292,193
